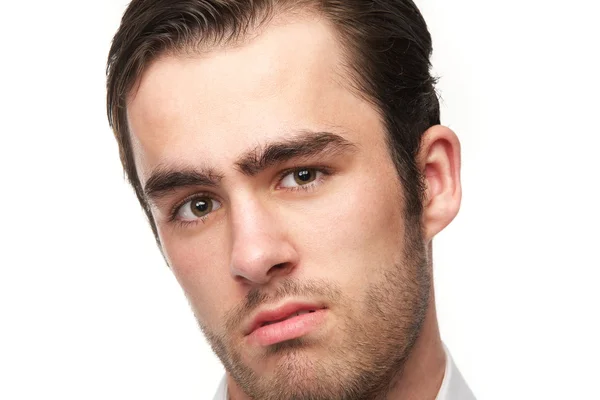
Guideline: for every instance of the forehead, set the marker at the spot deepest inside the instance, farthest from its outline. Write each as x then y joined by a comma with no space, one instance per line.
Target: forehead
211,107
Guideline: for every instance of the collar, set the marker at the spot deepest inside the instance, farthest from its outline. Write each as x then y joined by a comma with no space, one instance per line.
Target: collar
453,386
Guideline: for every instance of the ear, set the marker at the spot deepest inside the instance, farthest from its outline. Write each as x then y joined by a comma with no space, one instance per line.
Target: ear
439,162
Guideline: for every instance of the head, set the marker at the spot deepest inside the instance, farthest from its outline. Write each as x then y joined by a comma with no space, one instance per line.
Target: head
289,154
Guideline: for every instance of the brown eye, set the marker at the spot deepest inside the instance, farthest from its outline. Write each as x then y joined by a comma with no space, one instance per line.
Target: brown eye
197,207
201,206
304,176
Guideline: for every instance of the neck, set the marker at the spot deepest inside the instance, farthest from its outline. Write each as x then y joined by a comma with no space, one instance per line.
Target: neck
424,369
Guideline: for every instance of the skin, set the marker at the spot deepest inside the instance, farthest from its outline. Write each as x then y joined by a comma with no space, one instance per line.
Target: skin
343,243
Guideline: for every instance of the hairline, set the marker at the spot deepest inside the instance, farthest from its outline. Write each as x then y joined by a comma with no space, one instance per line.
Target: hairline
196,47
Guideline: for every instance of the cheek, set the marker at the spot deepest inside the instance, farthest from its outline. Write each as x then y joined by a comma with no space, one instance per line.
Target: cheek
199,266
355,230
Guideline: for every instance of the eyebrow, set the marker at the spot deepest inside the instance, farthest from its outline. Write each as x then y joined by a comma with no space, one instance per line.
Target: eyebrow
305,144
164,180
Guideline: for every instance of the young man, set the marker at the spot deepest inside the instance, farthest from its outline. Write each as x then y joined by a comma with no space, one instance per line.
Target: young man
290,160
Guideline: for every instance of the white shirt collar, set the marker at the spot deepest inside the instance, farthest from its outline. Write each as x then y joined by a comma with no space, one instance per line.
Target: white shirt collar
453,386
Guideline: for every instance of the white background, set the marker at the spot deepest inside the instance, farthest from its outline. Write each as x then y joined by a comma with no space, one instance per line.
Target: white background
88,310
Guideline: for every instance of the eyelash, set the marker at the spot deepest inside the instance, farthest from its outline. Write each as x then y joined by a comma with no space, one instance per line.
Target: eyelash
307,188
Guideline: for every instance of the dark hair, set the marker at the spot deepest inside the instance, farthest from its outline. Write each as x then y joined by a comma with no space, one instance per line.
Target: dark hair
386,43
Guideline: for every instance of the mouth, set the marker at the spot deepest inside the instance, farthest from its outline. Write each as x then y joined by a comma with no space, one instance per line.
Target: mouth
290,321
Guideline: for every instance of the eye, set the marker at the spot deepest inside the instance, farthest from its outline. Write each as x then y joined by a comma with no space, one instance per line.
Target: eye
197,208
300,177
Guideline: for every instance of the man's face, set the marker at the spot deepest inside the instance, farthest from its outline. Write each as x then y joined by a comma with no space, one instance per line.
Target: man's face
272,186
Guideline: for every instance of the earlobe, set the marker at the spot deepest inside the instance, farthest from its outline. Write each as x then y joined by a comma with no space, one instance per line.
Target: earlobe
439,162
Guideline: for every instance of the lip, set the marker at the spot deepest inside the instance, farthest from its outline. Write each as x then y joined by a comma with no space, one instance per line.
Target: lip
280,313
296,326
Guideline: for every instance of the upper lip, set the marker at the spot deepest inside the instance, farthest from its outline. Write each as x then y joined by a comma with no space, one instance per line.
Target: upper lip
269,314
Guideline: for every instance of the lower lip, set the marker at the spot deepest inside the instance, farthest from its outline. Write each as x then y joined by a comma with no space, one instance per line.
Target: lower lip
288,329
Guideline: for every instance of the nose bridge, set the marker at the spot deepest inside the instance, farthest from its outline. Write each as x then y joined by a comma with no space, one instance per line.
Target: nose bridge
257,239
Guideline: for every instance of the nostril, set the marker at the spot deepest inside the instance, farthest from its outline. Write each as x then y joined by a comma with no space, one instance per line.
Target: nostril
280,269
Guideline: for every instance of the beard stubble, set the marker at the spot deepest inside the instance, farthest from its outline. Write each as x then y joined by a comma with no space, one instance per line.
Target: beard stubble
376,334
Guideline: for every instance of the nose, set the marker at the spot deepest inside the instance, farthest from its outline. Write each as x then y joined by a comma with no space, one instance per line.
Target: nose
261,246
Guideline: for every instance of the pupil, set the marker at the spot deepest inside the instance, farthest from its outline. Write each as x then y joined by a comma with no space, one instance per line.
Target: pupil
304,175
201,205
